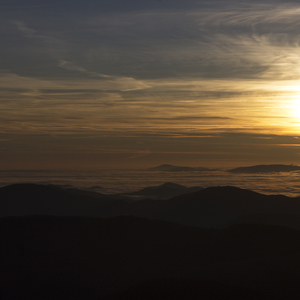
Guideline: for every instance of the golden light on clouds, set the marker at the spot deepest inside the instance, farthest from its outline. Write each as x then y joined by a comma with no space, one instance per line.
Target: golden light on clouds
142,81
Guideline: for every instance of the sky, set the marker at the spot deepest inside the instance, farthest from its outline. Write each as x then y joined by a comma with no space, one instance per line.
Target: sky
121,84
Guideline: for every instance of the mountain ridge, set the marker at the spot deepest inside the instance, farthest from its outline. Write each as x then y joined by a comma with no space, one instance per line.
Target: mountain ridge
273,168
172,168
209,207
164,191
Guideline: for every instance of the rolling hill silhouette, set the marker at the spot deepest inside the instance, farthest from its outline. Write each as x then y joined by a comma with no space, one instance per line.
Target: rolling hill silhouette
163,191
210,207
147,249
33,199
186,288
44,257
287,220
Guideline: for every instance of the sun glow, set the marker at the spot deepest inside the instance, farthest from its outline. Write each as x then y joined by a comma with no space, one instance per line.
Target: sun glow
295,109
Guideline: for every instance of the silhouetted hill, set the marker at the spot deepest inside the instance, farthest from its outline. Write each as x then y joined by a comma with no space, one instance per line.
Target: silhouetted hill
31,199
183,288
265,169
171,168
163,191
287,220
209,207
45,257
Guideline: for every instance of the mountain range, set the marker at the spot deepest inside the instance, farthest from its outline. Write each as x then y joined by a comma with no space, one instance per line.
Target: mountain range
164,191
209,207
171,168
62,243
265,169
273,168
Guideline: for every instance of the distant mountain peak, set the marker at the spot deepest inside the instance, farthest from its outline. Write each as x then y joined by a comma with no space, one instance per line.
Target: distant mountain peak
228,189
224,191
172,185
164,191
171,168
266,169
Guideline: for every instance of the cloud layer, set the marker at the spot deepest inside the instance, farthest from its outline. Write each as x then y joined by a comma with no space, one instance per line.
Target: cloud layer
123,76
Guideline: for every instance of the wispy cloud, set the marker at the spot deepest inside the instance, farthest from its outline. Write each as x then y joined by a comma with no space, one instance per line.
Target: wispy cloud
71,66
244,41
113,82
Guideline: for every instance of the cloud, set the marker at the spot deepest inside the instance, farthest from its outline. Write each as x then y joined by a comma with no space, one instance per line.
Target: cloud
119,82
241,41
71,66
29,32
139,153
151,71
50,45
14,81
232,40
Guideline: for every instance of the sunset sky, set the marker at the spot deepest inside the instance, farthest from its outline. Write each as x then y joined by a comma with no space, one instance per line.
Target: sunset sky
128,83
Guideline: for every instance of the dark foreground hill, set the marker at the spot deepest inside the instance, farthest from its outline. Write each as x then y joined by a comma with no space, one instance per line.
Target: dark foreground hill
210,207
34,199
186,288
43,257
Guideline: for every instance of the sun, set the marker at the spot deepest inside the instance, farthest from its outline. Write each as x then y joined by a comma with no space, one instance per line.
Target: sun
295,108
